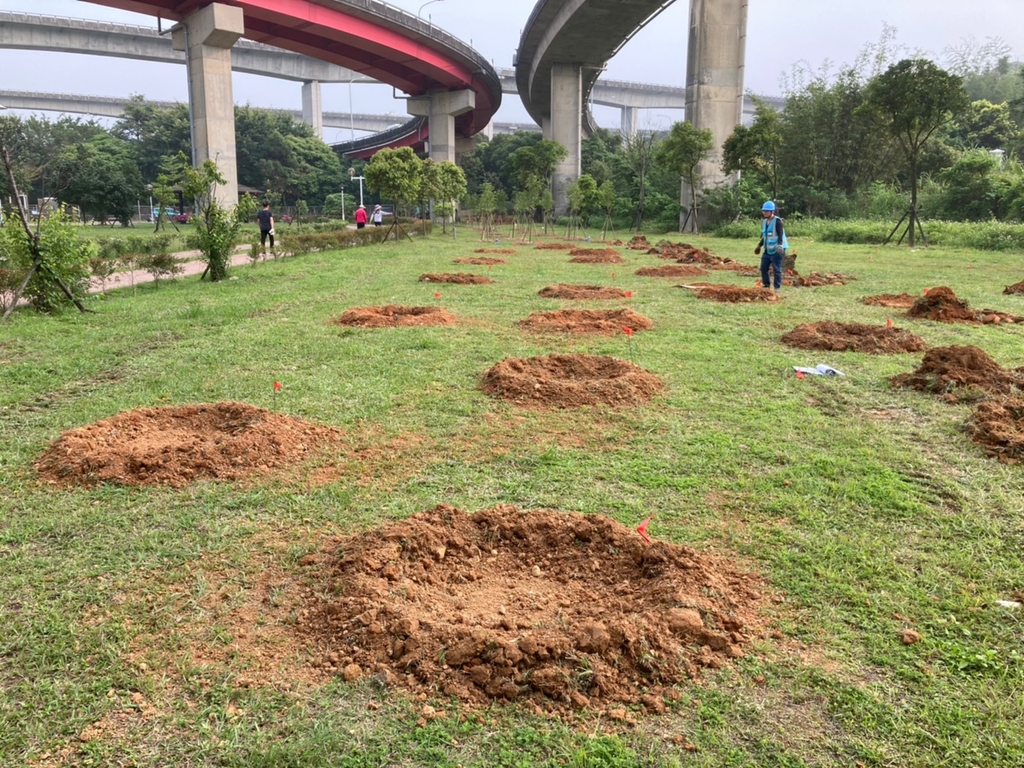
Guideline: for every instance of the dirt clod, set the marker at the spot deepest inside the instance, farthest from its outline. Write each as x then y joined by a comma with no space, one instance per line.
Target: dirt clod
609,621
735,294
392,316
460,278
853,337
581,292
177,445
595,256
960,373
998,427
586,321
1015,288
570,381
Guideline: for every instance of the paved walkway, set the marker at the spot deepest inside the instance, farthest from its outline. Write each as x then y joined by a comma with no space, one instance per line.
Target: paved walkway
190,261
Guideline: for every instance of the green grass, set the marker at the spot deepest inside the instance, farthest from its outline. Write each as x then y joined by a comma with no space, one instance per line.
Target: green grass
866,508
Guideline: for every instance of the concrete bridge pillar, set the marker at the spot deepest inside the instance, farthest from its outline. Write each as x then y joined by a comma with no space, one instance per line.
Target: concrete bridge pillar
206,36
714,75
441,108
313,107
628,121
566,128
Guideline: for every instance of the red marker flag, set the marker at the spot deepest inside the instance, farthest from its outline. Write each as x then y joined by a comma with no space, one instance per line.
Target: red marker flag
629,294
437,295
277,385
888,322
627,330
642,529
799,374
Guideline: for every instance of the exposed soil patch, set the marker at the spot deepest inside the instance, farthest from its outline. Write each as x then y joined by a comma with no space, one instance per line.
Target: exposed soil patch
460,278
504,251
998,427
394,315
735,266
733,293
177,445
581,292
570,381
892,300
560,610
671,271
482,261
638,243
586,321
1015,288
853,337
942,305
595,256
555,246
818,279
960,373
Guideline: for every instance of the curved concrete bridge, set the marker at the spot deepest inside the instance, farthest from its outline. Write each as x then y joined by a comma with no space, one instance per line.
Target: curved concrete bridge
452,86
566,44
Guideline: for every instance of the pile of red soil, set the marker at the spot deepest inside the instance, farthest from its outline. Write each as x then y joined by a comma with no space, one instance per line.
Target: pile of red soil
581,292
460,278
586,321
998,427
504,251
961,373
1015,288
853,337
671,271
818,279
892,300
733,294
483,262
560,610
570,381
177,445
638,243
942,305
735,266
595,256
393,315
555,246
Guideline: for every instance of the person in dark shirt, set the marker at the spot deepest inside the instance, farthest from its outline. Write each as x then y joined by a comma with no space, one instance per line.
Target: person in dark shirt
266,219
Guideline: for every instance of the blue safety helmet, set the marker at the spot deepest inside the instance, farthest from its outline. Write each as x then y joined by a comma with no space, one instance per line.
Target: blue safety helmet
769,206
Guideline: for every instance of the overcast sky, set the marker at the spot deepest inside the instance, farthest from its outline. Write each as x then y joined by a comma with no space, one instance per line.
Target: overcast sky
779,34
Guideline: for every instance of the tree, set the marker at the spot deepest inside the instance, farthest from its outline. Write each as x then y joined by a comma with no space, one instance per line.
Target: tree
104,180
912,100
985,125
756,149
682,150
449,185
395,174
583,200
606,198
639,151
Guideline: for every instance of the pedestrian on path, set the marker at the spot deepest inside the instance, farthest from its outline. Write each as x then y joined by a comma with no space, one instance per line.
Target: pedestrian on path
378,216
360,217
266,219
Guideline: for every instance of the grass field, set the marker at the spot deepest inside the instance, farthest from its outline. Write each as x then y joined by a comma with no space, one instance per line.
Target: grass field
865,507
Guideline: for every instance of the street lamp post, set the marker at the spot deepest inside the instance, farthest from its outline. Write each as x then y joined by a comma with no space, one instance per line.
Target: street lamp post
420,11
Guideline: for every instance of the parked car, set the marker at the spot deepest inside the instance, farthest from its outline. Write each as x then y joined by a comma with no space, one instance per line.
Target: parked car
169,213
181,218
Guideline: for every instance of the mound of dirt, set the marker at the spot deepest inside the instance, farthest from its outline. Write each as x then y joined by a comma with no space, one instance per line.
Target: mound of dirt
595,256
504,251
555,246
638,243
581,292
570,381
460,278
586,321
1015,288
481,261
394,315
177,445
892,300
942,305
671,271
998,427
559,610
818,279
734,294
853,337
961,373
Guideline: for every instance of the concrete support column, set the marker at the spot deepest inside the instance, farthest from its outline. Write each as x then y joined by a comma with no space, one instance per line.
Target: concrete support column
488,130
566,129
714,76
313,107
206,36
441,108
628,121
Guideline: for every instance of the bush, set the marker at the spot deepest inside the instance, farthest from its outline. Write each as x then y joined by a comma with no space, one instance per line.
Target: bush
62,257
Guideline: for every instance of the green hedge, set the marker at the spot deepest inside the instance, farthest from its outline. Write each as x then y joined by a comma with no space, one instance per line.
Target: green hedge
310,242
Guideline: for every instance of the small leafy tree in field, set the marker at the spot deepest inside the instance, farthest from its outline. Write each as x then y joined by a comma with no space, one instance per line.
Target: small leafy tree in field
395,174
217,228
912,100
756,149
606,200
583,200
486,205
683,150
449,185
